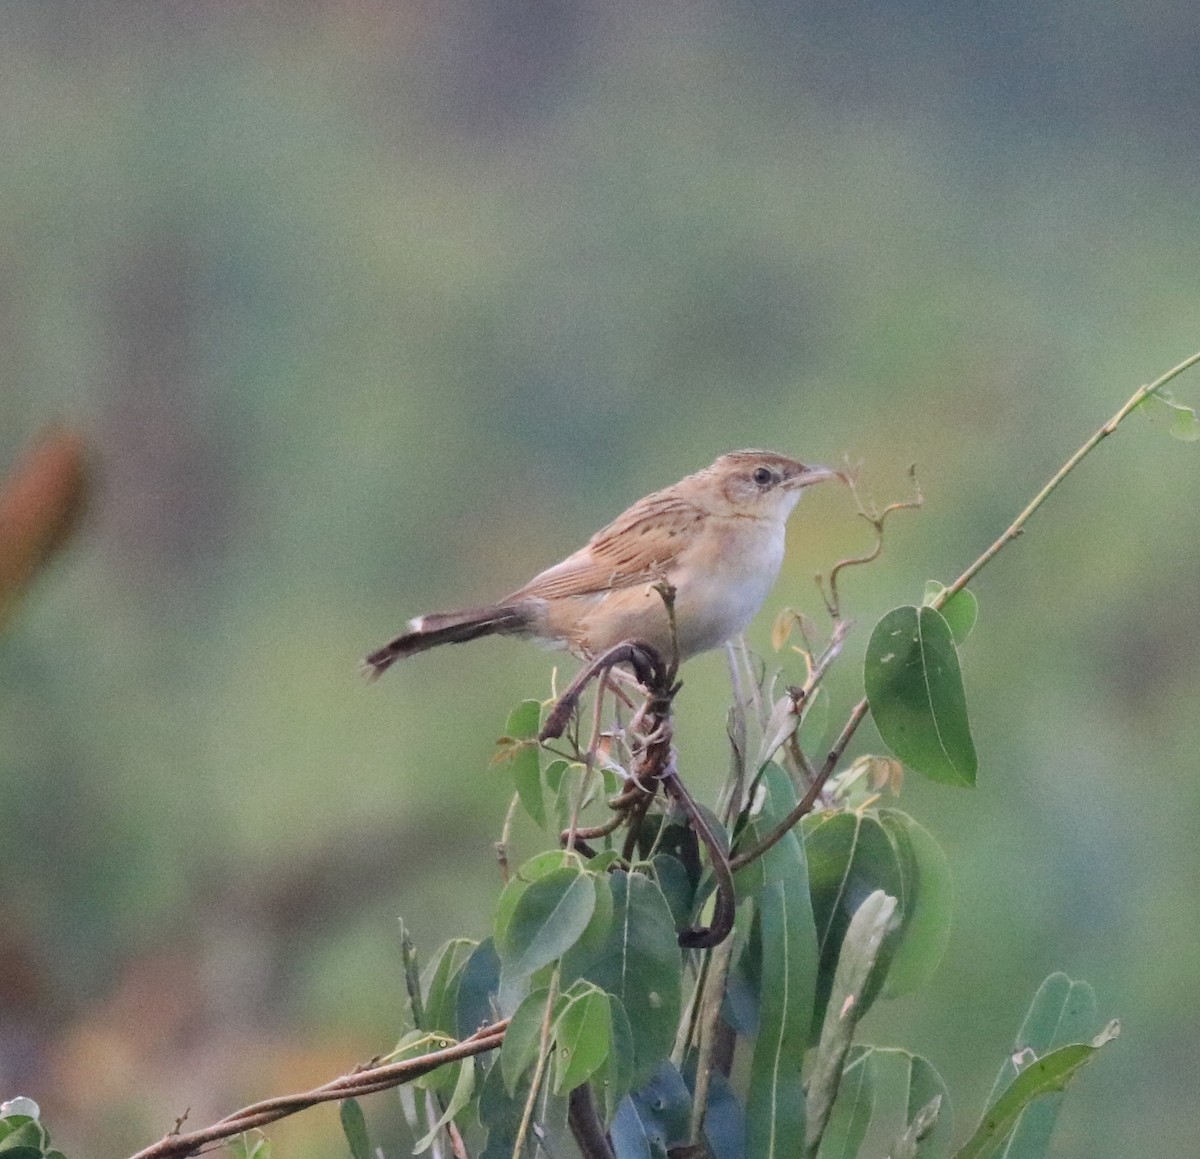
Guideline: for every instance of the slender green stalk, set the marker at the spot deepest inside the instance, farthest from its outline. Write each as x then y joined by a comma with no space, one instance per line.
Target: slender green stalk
539,1071
1015,528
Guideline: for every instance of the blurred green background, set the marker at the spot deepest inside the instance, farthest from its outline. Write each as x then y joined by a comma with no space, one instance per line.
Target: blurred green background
371,308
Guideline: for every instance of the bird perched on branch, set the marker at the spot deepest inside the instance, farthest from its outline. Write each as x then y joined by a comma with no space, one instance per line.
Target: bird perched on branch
713,540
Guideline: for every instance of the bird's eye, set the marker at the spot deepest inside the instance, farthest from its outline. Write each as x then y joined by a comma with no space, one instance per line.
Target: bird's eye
762,476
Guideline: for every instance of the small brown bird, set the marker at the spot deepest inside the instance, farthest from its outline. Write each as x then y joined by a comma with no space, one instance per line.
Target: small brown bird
716,537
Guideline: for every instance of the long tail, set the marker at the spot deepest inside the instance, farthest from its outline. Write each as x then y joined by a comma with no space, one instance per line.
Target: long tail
427,632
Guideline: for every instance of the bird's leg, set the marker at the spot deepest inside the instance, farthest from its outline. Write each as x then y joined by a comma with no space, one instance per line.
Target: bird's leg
648,668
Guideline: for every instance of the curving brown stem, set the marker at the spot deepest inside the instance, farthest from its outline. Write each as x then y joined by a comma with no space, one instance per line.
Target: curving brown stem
654,765
703,937
648,667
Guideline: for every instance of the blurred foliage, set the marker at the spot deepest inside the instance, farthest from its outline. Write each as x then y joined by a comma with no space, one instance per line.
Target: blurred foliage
367,309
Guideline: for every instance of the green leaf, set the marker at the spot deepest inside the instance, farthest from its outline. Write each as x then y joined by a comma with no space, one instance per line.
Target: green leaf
850,856
354,1127
919,1128
554,773
248,1145
499,1114
639,963
583,1036
815,724
523,1037
1063,1011
871,923
533,870
775,1103
22,1131
440,986
616,1078
549,918
464,1088
925,1085
25,1134
853,1108
593,939
774,800
724,1115
786,954
478,984
525,757
926,903
676,886
605,860
653,1118
960,611
1052,1072
915,691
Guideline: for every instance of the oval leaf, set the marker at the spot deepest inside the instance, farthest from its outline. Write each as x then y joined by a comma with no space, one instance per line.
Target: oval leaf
1048,1074
639,963
869,927
850,856
478,984
354,1127
523,1038
549,918
520,747
915,690
960,611
533,870
1063,1011
464,1088
653,1119
775,1106
928,1114
616,1079
583,1037
439,985
925,902
853,1108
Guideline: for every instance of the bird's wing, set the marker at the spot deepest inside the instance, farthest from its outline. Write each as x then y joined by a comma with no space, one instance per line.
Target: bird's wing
638,547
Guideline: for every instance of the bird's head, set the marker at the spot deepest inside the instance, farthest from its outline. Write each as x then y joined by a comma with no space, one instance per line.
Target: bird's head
762,484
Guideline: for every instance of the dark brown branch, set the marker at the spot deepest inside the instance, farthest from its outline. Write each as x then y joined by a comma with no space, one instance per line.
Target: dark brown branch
366,1081
806,803
586,1125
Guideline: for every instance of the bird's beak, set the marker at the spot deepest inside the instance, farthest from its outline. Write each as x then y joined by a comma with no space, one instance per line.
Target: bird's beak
810,475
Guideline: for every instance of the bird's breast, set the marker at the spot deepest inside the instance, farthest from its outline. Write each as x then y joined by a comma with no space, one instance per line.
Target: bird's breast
722,584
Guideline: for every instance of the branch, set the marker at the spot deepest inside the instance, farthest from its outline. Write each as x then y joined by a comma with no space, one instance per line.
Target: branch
586,1124
805,805
1136,399
1015,528
366,1081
